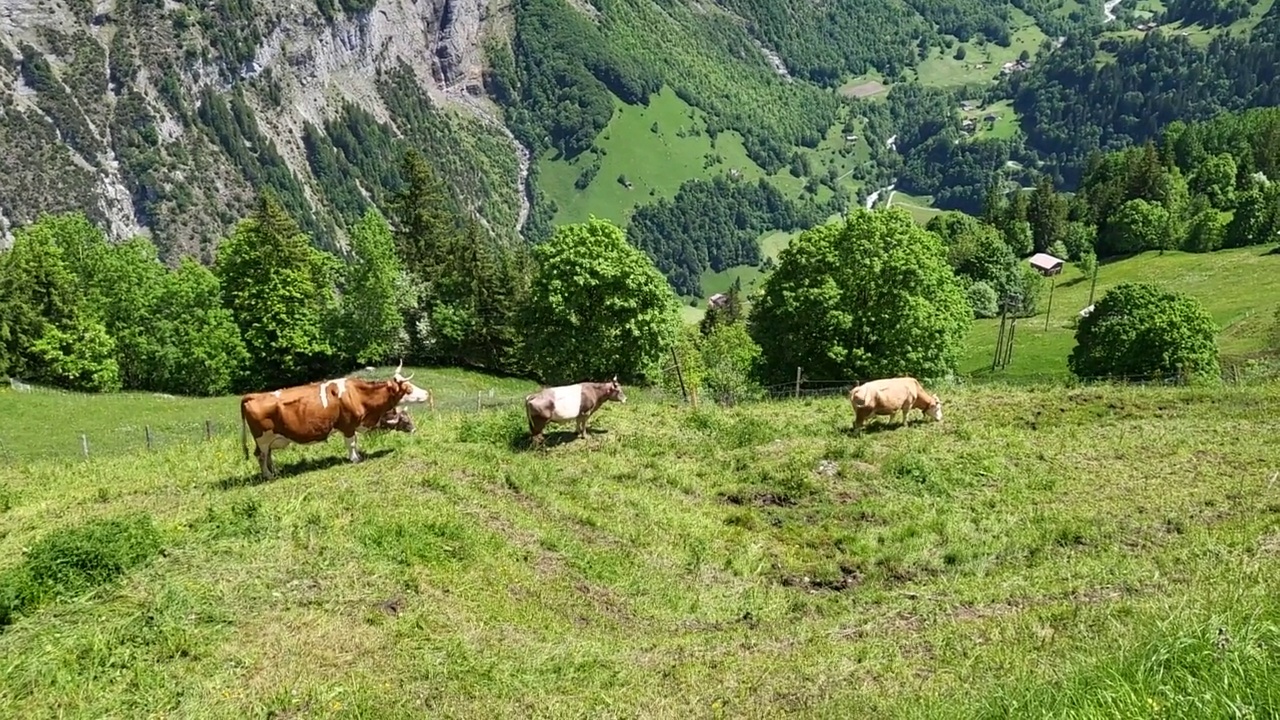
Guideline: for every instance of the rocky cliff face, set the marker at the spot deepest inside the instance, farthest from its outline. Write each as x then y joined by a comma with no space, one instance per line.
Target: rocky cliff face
162,116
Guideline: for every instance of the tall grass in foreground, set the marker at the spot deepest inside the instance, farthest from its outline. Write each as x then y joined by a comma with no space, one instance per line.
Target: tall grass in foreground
1065,553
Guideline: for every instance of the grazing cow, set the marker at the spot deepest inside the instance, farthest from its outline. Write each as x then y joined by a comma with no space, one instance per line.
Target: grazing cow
569,402
891,395
309,413
398,419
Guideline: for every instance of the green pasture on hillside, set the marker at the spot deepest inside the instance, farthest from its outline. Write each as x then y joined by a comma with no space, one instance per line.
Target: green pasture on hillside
1089,552
1233,285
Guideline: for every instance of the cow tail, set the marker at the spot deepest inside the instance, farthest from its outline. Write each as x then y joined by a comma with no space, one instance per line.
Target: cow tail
244,429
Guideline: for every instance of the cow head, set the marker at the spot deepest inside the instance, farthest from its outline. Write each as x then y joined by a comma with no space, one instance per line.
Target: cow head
397,419
935,410
614,391
409,393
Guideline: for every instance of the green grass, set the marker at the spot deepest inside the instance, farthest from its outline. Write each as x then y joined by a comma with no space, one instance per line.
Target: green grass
118,423
656,164
1005,125
1229,283
920,207
981,62
1036,549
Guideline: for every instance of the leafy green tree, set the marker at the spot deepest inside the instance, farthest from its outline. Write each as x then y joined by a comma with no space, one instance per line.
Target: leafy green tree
869,296
198,350
280,290
118,285
1080,239
375,297
1215,178
79,356
983,300
1138,330
1139,225
1206,231
598,307
1088,264
982,255
1257,217
49,334
729,360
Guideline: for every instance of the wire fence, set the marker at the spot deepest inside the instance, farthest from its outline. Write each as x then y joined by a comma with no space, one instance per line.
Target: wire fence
54,423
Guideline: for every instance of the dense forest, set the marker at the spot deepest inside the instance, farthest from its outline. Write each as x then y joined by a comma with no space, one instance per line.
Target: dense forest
1071,104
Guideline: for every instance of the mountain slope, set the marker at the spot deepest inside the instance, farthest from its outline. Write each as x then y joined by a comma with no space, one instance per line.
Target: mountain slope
173,134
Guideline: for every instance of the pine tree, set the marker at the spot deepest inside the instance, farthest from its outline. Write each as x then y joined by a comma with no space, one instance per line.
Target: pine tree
280,291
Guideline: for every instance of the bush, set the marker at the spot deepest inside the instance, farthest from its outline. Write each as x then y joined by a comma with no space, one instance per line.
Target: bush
983,299
1139,331
729,359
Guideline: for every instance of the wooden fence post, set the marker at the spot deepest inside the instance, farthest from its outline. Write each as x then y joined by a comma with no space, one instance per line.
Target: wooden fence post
679,374
147,428
84,444
208,429
798,369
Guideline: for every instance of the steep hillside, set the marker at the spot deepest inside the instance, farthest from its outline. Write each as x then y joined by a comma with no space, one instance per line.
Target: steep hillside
1034,555
166,116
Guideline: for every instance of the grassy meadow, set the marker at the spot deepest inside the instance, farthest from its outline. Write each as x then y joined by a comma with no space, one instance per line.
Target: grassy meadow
1042,552
657,163
1230,283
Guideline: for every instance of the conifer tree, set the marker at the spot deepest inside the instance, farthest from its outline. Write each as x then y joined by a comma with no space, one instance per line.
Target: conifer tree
280,290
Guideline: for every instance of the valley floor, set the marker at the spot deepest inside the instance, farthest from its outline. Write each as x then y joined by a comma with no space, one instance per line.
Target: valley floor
1068,553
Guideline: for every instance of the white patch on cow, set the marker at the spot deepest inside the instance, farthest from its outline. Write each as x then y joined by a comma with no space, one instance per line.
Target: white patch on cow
270,440
566,402
278,393
352,454
324,390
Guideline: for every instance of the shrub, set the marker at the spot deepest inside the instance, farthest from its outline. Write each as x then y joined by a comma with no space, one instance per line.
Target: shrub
1138,330
983,299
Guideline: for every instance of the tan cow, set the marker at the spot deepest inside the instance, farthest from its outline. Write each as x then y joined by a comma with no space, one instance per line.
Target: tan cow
569,402
889,396
309,413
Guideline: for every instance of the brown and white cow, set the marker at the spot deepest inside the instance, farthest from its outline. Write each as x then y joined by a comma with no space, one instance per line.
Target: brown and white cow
569,402
889,396
309,413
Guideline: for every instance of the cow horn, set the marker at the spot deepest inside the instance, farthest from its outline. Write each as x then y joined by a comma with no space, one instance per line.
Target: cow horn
410,377
400,366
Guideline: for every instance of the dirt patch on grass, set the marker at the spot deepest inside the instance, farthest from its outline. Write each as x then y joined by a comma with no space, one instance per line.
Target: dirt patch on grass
863,90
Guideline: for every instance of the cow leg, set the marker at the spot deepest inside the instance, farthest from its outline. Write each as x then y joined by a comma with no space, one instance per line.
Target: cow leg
352,454
264,464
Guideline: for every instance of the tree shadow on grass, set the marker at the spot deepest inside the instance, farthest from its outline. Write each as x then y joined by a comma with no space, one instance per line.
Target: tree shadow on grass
523,442
297,467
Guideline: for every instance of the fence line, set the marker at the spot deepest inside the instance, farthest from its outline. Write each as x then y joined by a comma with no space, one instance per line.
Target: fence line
222,420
